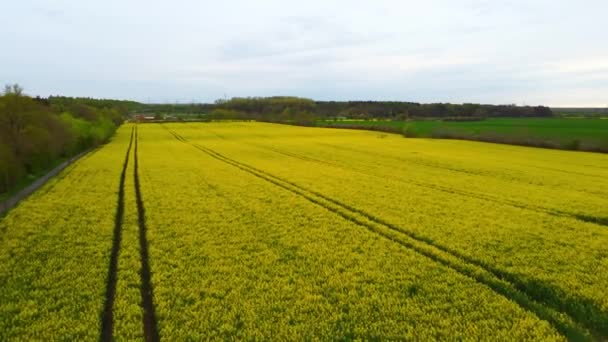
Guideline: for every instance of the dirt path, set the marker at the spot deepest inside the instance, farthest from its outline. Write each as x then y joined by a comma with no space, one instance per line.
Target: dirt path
11,202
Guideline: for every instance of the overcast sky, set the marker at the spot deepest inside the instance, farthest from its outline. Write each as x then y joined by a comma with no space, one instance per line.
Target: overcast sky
552,52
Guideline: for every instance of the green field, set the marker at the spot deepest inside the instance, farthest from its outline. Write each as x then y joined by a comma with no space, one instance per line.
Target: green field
571,134
256,231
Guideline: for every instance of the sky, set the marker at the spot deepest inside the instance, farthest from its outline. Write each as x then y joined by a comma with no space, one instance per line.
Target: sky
525,52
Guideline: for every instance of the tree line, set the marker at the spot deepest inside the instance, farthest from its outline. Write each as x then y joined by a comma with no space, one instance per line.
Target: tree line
36,133
303,111
407,110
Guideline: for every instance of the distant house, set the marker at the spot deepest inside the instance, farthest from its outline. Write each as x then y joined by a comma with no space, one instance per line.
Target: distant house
142,117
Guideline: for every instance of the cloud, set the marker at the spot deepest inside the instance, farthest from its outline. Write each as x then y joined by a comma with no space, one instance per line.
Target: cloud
510,51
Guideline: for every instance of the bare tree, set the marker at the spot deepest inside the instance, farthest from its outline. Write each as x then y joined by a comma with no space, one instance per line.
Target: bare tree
13,89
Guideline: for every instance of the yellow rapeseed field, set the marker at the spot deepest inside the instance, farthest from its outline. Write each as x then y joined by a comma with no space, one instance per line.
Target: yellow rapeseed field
260,231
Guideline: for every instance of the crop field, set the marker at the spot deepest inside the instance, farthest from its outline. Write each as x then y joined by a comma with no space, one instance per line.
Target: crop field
564,133
255,231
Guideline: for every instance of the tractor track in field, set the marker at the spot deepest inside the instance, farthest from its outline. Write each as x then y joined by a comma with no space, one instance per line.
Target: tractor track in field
146,289
441,167
149,317
602,221
576,318
107,318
